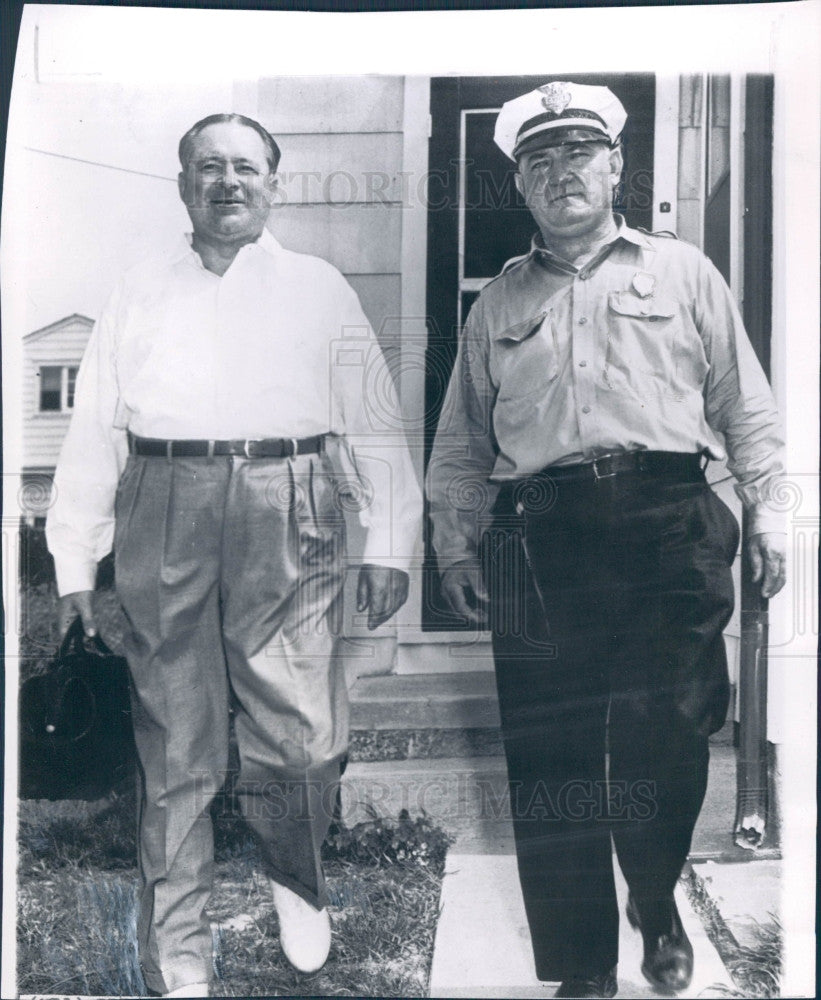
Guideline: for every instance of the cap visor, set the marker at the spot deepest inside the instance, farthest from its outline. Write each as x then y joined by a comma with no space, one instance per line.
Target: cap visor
560,136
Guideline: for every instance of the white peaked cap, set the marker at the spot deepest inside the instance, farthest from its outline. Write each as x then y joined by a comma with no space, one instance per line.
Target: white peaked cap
558,105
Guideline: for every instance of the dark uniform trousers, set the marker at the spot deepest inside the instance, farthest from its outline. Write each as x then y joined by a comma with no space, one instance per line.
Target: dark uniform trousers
230,572
608,602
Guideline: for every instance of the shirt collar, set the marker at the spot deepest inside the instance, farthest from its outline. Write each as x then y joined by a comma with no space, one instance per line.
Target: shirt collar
185,251
636,236
623,232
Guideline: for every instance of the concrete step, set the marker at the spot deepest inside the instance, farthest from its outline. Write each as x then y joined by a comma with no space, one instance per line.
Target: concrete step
468,797
464,700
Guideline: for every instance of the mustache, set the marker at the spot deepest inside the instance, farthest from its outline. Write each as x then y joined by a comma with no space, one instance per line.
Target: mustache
557,192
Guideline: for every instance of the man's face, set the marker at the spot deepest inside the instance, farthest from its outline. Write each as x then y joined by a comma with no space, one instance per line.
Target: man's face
227,185
569,188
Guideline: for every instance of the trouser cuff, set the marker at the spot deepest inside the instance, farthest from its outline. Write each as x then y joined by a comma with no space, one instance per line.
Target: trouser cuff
160,983
317,898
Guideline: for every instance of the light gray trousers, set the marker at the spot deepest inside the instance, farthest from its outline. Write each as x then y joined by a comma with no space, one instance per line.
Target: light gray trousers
230,572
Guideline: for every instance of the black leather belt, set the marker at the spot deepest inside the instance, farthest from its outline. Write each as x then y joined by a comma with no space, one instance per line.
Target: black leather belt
683,466
250,448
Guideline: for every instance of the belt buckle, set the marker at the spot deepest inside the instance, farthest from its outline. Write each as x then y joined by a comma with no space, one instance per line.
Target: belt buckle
294,447
248,442
602,475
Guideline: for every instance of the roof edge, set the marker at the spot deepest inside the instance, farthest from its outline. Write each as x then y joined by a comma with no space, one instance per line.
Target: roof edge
58,323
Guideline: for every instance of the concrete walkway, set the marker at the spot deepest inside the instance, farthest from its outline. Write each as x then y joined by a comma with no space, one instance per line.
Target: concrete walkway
483,944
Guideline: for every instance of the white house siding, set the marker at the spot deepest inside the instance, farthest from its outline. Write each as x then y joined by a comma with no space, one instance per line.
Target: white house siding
341,179
62,343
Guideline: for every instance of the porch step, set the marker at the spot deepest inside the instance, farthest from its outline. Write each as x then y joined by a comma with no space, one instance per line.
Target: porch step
468,797
425,701
460,702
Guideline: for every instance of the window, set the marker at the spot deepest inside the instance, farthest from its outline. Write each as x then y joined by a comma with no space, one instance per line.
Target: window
57,388
71,378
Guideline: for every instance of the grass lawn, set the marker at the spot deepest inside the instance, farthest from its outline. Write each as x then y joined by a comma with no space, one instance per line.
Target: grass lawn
78,896
77,879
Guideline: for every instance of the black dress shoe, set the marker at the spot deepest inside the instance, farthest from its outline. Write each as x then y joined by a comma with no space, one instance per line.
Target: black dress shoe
589,986
668,954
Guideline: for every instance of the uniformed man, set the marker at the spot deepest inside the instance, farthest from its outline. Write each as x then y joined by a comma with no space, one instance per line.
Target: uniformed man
593,379
219,382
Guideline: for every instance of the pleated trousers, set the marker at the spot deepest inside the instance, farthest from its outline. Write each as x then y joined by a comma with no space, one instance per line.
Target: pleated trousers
230,572
608,606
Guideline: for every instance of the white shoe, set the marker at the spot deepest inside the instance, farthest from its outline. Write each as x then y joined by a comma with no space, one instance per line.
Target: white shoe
304,932
191,990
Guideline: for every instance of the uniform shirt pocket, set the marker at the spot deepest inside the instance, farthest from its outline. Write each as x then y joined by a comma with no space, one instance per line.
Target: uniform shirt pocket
641,336
526,357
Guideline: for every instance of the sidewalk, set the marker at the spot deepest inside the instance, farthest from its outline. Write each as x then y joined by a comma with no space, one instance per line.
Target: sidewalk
483,944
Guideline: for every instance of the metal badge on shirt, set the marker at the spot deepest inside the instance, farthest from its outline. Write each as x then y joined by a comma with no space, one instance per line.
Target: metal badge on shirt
644,283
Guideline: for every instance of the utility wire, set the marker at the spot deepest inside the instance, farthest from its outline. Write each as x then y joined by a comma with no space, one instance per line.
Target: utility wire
94,163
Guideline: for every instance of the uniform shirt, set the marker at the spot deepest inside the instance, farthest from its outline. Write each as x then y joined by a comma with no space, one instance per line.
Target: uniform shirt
642,347
276,347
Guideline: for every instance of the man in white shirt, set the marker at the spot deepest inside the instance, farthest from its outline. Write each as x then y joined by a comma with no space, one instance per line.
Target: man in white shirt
218,385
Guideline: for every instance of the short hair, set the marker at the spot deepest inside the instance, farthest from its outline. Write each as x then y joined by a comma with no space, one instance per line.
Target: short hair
187,140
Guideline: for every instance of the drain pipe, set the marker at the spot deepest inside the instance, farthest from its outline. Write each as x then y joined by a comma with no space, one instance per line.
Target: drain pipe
752,774
752,777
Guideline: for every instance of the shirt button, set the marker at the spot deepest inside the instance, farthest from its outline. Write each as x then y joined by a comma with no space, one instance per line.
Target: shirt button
582,321
582,364
585,409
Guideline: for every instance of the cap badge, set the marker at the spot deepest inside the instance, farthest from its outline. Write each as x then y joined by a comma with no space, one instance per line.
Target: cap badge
555,97
644,283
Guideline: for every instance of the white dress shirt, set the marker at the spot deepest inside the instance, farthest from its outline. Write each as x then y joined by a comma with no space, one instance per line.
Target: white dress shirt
277,347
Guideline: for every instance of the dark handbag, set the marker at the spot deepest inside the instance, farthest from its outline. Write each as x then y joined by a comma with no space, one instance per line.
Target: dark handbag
76,738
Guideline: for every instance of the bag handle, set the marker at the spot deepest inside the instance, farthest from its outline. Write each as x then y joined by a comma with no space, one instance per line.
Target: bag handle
76,641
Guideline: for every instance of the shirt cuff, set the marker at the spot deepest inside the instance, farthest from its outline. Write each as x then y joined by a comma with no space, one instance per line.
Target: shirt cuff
762,518
376,545
73,575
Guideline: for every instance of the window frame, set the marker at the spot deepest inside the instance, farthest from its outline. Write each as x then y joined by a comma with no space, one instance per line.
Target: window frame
66,396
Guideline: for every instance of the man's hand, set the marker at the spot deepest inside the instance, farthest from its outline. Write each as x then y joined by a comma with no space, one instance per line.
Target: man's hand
464,590
768,558
71,605
381,591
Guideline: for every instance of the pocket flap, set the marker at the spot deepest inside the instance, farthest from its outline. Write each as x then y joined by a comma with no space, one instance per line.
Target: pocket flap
521,331
652,307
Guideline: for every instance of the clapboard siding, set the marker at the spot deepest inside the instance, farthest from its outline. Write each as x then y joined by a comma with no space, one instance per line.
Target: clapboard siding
342,178
333,168
350,104
43,440
358,239
380,295
62,343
